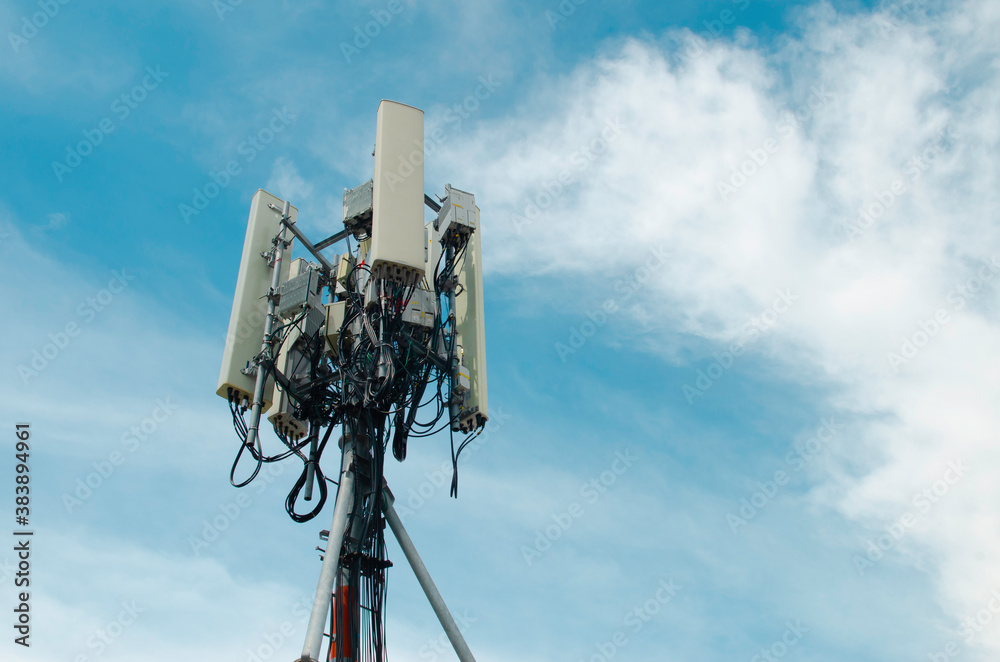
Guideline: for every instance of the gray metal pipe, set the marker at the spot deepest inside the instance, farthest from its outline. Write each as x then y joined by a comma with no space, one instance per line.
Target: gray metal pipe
304,240
424,577
331,559
258,388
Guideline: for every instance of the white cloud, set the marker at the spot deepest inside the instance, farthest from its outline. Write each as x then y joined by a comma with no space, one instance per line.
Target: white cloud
869,102
55,221
286,182
44,58
685,122
112,600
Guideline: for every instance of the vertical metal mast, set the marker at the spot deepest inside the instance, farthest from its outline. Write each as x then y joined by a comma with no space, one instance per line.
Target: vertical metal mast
265,348
331,559
383,340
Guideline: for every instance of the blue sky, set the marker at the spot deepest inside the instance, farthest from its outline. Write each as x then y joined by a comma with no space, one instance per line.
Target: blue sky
748,246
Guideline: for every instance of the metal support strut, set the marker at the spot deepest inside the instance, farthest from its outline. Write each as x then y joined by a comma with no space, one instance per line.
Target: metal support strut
331,559
258,389
424,577
308,245
331,566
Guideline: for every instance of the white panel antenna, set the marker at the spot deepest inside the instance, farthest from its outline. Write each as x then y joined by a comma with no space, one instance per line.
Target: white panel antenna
246,322
398,193
471,326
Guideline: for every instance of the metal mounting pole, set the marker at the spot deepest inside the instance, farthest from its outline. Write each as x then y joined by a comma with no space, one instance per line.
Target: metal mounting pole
258,389
424,577
331,559
308,245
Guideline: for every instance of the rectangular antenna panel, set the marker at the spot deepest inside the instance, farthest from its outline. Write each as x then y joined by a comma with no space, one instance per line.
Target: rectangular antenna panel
471,326
246,322
398,193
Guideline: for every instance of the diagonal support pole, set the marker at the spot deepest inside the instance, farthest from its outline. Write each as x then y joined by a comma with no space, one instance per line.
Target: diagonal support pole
424,577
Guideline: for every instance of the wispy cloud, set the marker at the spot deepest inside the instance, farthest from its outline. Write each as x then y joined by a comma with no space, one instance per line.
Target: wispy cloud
887,97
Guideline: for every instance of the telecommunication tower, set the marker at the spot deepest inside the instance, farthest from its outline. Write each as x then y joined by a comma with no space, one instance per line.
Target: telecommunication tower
381,344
